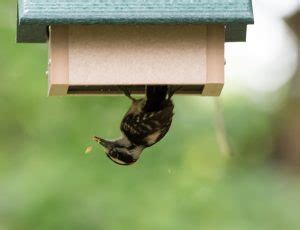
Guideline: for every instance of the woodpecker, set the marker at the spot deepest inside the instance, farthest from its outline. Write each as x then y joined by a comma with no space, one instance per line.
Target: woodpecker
146,122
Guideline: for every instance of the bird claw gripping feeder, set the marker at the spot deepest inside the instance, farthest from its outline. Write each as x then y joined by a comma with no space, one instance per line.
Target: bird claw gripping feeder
98,47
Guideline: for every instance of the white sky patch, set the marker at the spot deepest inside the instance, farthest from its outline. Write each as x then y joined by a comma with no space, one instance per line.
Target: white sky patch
279,8
268,59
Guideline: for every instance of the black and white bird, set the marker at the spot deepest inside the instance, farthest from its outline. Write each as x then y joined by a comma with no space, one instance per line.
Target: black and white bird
147,121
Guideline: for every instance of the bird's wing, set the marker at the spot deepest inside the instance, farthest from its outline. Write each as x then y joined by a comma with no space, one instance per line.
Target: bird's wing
147,128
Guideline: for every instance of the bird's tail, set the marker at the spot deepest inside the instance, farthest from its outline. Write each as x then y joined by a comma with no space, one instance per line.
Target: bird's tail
156,94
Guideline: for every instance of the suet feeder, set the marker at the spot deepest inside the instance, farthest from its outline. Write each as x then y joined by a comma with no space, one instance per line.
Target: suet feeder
97,46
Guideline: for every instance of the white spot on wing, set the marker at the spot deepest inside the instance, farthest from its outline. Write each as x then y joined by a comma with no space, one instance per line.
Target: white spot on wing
151,139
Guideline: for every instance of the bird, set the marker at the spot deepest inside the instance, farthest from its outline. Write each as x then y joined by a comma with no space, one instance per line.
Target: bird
146,122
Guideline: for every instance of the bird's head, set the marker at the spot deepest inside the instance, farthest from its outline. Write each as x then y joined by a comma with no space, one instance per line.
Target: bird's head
119,152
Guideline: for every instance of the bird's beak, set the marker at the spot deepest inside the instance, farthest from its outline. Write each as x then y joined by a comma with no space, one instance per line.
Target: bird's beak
106,144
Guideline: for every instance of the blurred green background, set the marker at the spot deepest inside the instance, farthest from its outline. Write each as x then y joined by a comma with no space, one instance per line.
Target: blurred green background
184,182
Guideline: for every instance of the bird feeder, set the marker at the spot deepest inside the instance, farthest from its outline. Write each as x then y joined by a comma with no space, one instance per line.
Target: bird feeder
98,47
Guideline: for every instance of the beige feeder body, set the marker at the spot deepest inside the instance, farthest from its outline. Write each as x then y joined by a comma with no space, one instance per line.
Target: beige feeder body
97,59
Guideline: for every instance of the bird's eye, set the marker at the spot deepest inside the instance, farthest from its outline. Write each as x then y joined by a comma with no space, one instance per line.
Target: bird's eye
120,158
113,153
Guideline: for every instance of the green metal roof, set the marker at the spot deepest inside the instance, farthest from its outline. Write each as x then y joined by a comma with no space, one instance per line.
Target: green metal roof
35,15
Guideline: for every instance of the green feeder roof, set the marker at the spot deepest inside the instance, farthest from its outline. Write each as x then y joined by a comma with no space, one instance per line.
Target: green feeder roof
34,16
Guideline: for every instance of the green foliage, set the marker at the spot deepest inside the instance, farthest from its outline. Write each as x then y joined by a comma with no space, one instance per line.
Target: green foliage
47,182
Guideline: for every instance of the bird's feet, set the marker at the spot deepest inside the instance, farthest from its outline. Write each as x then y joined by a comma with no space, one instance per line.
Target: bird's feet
172,90
127,92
